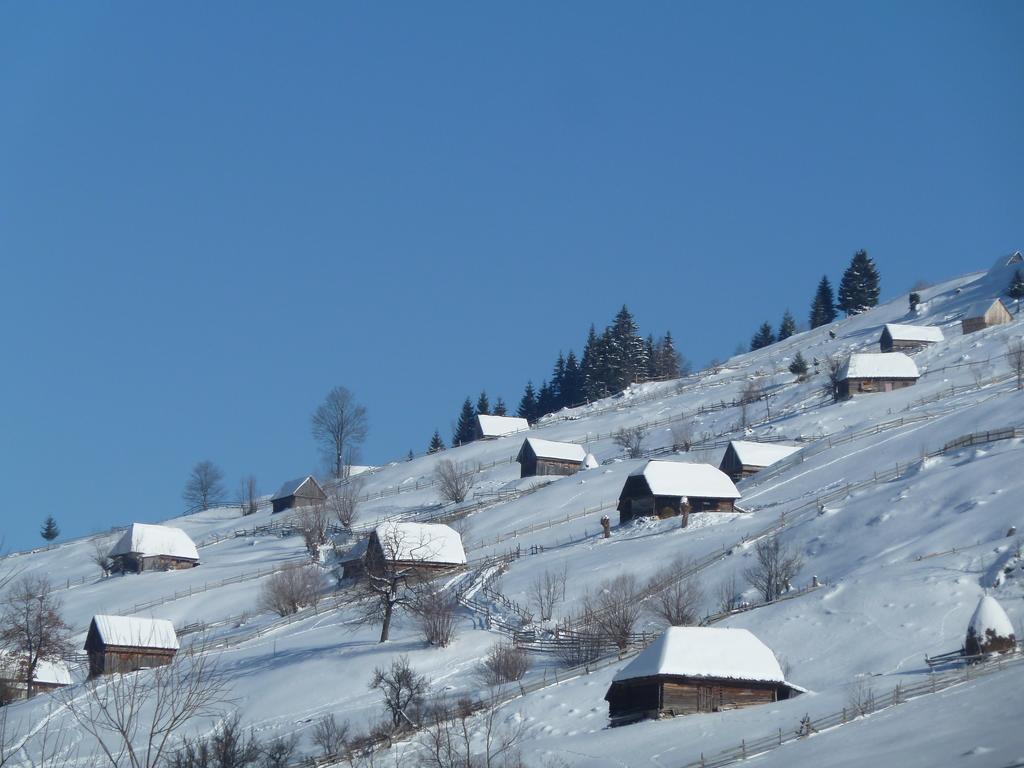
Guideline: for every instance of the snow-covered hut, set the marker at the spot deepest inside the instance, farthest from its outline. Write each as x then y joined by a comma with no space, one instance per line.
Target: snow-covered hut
908,338
876,372
697,669
418,547
50,674
300,492
667,488
745,457
118,644
990,630
145,547
546,457
490,427
985,314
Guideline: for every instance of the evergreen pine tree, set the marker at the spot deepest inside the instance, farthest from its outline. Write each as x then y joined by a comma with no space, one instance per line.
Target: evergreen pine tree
411,455
787,327
913,300
545,400
49,531
798,366
667,361
558,383
858,290
528,404
483,407
465,431
572,393
763,337
1016,287
626,353
436,443
499,408
592,367
652,363
823,309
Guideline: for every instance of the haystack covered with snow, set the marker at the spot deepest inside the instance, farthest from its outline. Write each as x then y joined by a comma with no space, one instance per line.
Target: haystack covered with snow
546,457
697,669
876,372
896,337
667,488
744,457
590,462
990,629
145,547
118,644
489,427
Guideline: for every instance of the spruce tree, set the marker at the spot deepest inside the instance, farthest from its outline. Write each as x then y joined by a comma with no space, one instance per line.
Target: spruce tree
787,327
499,408
411,455
858,290
593,367
528,404
49,531
913,300
798,366
1016,288
823,309
558,383
436,443
652,363
668,362
763,337
626,353
465,431
483,407
546,402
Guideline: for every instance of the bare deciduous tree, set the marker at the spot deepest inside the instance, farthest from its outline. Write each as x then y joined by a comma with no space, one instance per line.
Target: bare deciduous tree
776,566
547,590
682,438
311,523
435,610
32,628
504,663
229,746
290,589
248,496
100,555
36,746
678,604
752,392
631,439
453,729
343,502
581,648
728,594
331,736
403,689
339,425
1015,354
614,609
833,366
204,488
454,481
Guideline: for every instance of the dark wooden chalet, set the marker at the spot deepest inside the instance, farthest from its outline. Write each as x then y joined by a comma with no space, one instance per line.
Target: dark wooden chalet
697,669
908,338
538,458
668,488
118,644
876,372
985,314
990,629
301,492
421,548
145,547
744,457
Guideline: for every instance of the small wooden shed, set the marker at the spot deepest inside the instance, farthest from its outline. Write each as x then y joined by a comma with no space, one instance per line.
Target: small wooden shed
908,338
985,314
990,629
421,548
492,427
745,457
118,644
538,458
145,547
697,669
867,372
668,488
300,492
50,675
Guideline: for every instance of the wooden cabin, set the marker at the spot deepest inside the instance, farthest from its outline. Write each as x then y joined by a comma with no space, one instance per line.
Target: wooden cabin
990,629
668,488
50,675
492,427
423,548
145,547
908,338
744,457
866,373
301,492
538,458
697,669
118,644
985,314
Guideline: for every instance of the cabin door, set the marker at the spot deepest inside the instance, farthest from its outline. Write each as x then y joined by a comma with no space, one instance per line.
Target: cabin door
888,386
705,698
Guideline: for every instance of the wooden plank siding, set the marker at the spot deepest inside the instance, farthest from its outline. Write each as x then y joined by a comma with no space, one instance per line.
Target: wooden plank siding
671,696
134,563
860,386
636,500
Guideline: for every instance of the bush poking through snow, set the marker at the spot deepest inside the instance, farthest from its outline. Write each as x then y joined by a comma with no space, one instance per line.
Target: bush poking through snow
435,610
504,663
775,569
614,610
290,589
630,439
331,736
403,689
678,605
547,590
454,481
861,697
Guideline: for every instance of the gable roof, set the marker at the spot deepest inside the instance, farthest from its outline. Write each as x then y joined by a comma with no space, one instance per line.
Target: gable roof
549,449
753,454
154,540
677,478
979,308
499,426
926,333
136,632
728,653
421,542
878,365
291,487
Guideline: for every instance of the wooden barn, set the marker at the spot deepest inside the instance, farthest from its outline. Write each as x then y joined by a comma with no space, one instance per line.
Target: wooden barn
538,458
908,338
491,427
697,669
118,644
423,548
301,492
744,457
50,675
145,547
866,373
668,488
990,629
985,314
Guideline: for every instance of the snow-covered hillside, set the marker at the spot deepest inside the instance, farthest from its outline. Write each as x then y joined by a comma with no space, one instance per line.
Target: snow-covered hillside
903,532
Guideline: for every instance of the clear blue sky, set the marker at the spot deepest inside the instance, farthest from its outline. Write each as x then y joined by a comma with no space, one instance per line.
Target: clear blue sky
212,214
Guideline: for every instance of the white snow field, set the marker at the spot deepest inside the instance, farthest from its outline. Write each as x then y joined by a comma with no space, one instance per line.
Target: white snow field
903,536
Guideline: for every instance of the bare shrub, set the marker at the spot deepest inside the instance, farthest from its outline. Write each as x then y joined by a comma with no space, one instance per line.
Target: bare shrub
100,556
776,566
575,649
229,745
630,439
343,503
547,590
678,604
311,523
403,689
1015,354
682,438
331,736
614,610
833,365
290,589
861,696
728,594
435,610
248,496
504,663
453,729
279,752
32,628
454,481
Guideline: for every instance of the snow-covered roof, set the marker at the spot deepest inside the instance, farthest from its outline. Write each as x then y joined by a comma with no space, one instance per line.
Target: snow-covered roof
925,333
136,632
291,486
753,454
989,615
677,478
153,540
549,449
421,542
715,652
498,426
979,308
591,462
878,365
48,671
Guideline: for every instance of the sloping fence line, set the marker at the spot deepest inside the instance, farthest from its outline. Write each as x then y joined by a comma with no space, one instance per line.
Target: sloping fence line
901,693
